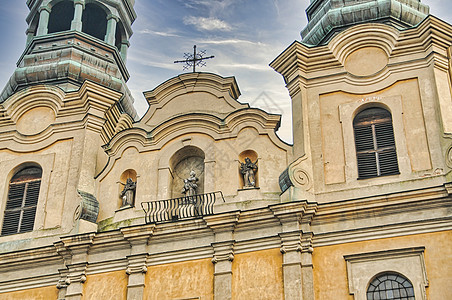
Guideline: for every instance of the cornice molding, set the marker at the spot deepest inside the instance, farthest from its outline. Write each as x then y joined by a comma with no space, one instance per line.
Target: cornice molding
303,63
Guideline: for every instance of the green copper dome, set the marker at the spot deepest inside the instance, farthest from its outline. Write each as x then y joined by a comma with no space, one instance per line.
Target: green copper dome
327,17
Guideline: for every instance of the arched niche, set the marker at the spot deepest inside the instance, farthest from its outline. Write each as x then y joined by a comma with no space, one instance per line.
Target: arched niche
94,21
185,160
252,155
132,174
61,16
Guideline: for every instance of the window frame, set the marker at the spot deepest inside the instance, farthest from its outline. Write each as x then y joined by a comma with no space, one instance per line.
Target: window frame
408,288
362,268
347,112
29,193
373,156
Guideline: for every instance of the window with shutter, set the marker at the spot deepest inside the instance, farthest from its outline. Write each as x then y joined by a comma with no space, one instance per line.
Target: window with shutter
22,200
375,144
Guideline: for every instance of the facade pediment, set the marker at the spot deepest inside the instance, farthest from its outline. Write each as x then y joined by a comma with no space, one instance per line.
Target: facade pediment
192,93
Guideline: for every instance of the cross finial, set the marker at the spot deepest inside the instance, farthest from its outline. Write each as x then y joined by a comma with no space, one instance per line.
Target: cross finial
195,59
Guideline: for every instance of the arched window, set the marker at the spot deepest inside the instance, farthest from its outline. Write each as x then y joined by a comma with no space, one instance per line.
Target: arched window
390,286
61,17
22,200
94,21
375,144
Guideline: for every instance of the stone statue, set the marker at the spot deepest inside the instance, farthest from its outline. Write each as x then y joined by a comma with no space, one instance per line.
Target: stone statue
128,193
248,170
190,185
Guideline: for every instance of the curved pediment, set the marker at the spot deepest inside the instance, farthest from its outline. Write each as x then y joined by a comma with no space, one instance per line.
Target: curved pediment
210,125
192,93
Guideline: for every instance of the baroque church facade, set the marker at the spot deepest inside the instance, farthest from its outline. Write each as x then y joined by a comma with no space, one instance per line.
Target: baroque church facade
204,201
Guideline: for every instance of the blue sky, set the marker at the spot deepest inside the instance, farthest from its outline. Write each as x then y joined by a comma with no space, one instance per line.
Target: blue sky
244,35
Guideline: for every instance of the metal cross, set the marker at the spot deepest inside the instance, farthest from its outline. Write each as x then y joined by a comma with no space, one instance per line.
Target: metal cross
195,59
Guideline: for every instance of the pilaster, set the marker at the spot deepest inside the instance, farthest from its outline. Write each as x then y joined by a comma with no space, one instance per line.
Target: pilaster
111,29
164,179
44,14
79,6
78,247
30,35
307,272
138,238
296,248
62,284
209,182
124,48
223,226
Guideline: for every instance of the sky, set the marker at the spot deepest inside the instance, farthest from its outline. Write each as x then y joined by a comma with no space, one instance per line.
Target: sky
243,35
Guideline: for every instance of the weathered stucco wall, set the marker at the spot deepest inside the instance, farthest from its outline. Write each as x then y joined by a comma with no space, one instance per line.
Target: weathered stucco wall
330,274
44,293
183,280
111,286
258,275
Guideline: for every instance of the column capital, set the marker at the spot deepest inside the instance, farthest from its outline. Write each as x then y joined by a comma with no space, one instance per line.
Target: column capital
138,237
293,214
223,251
137,264
80,2
223,222
46,8
112,16
290,241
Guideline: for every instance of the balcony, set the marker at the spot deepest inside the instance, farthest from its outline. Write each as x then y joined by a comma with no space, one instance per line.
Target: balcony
175,209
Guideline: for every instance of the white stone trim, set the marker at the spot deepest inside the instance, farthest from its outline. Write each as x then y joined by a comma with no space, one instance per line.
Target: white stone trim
363,267
348,111
381,232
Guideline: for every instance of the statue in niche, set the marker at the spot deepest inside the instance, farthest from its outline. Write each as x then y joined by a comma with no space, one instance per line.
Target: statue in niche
190,184
248,170
128,193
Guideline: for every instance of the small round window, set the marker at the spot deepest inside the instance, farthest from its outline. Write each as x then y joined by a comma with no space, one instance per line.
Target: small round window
390,286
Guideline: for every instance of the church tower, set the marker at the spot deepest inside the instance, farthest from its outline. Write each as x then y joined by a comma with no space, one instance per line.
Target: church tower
373,77
71,41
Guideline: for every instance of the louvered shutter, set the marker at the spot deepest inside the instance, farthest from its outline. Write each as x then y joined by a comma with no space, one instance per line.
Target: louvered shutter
22,201
375,144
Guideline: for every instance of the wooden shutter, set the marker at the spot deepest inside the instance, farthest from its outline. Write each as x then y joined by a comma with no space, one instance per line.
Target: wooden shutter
22,200
375,144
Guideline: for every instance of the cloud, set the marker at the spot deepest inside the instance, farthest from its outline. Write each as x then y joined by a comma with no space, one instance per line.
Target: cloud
214,7
159,33
257,67
209,24
231,41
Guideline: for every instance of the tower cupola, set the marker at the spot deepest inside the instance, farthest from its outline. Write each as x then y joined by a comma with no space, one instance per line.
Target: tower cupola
328,17
70,41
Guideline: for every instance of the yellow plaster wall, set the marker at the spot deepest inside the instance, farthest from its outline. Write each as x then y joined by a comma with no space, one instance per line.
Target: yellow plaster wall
258,275
330,274
112,286
44,293
182,280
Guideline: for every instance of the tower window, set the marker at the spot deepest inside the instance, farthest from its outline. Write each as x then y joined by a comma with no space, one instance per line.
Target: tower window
390,286
61,17
94,21
375,144
22,200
